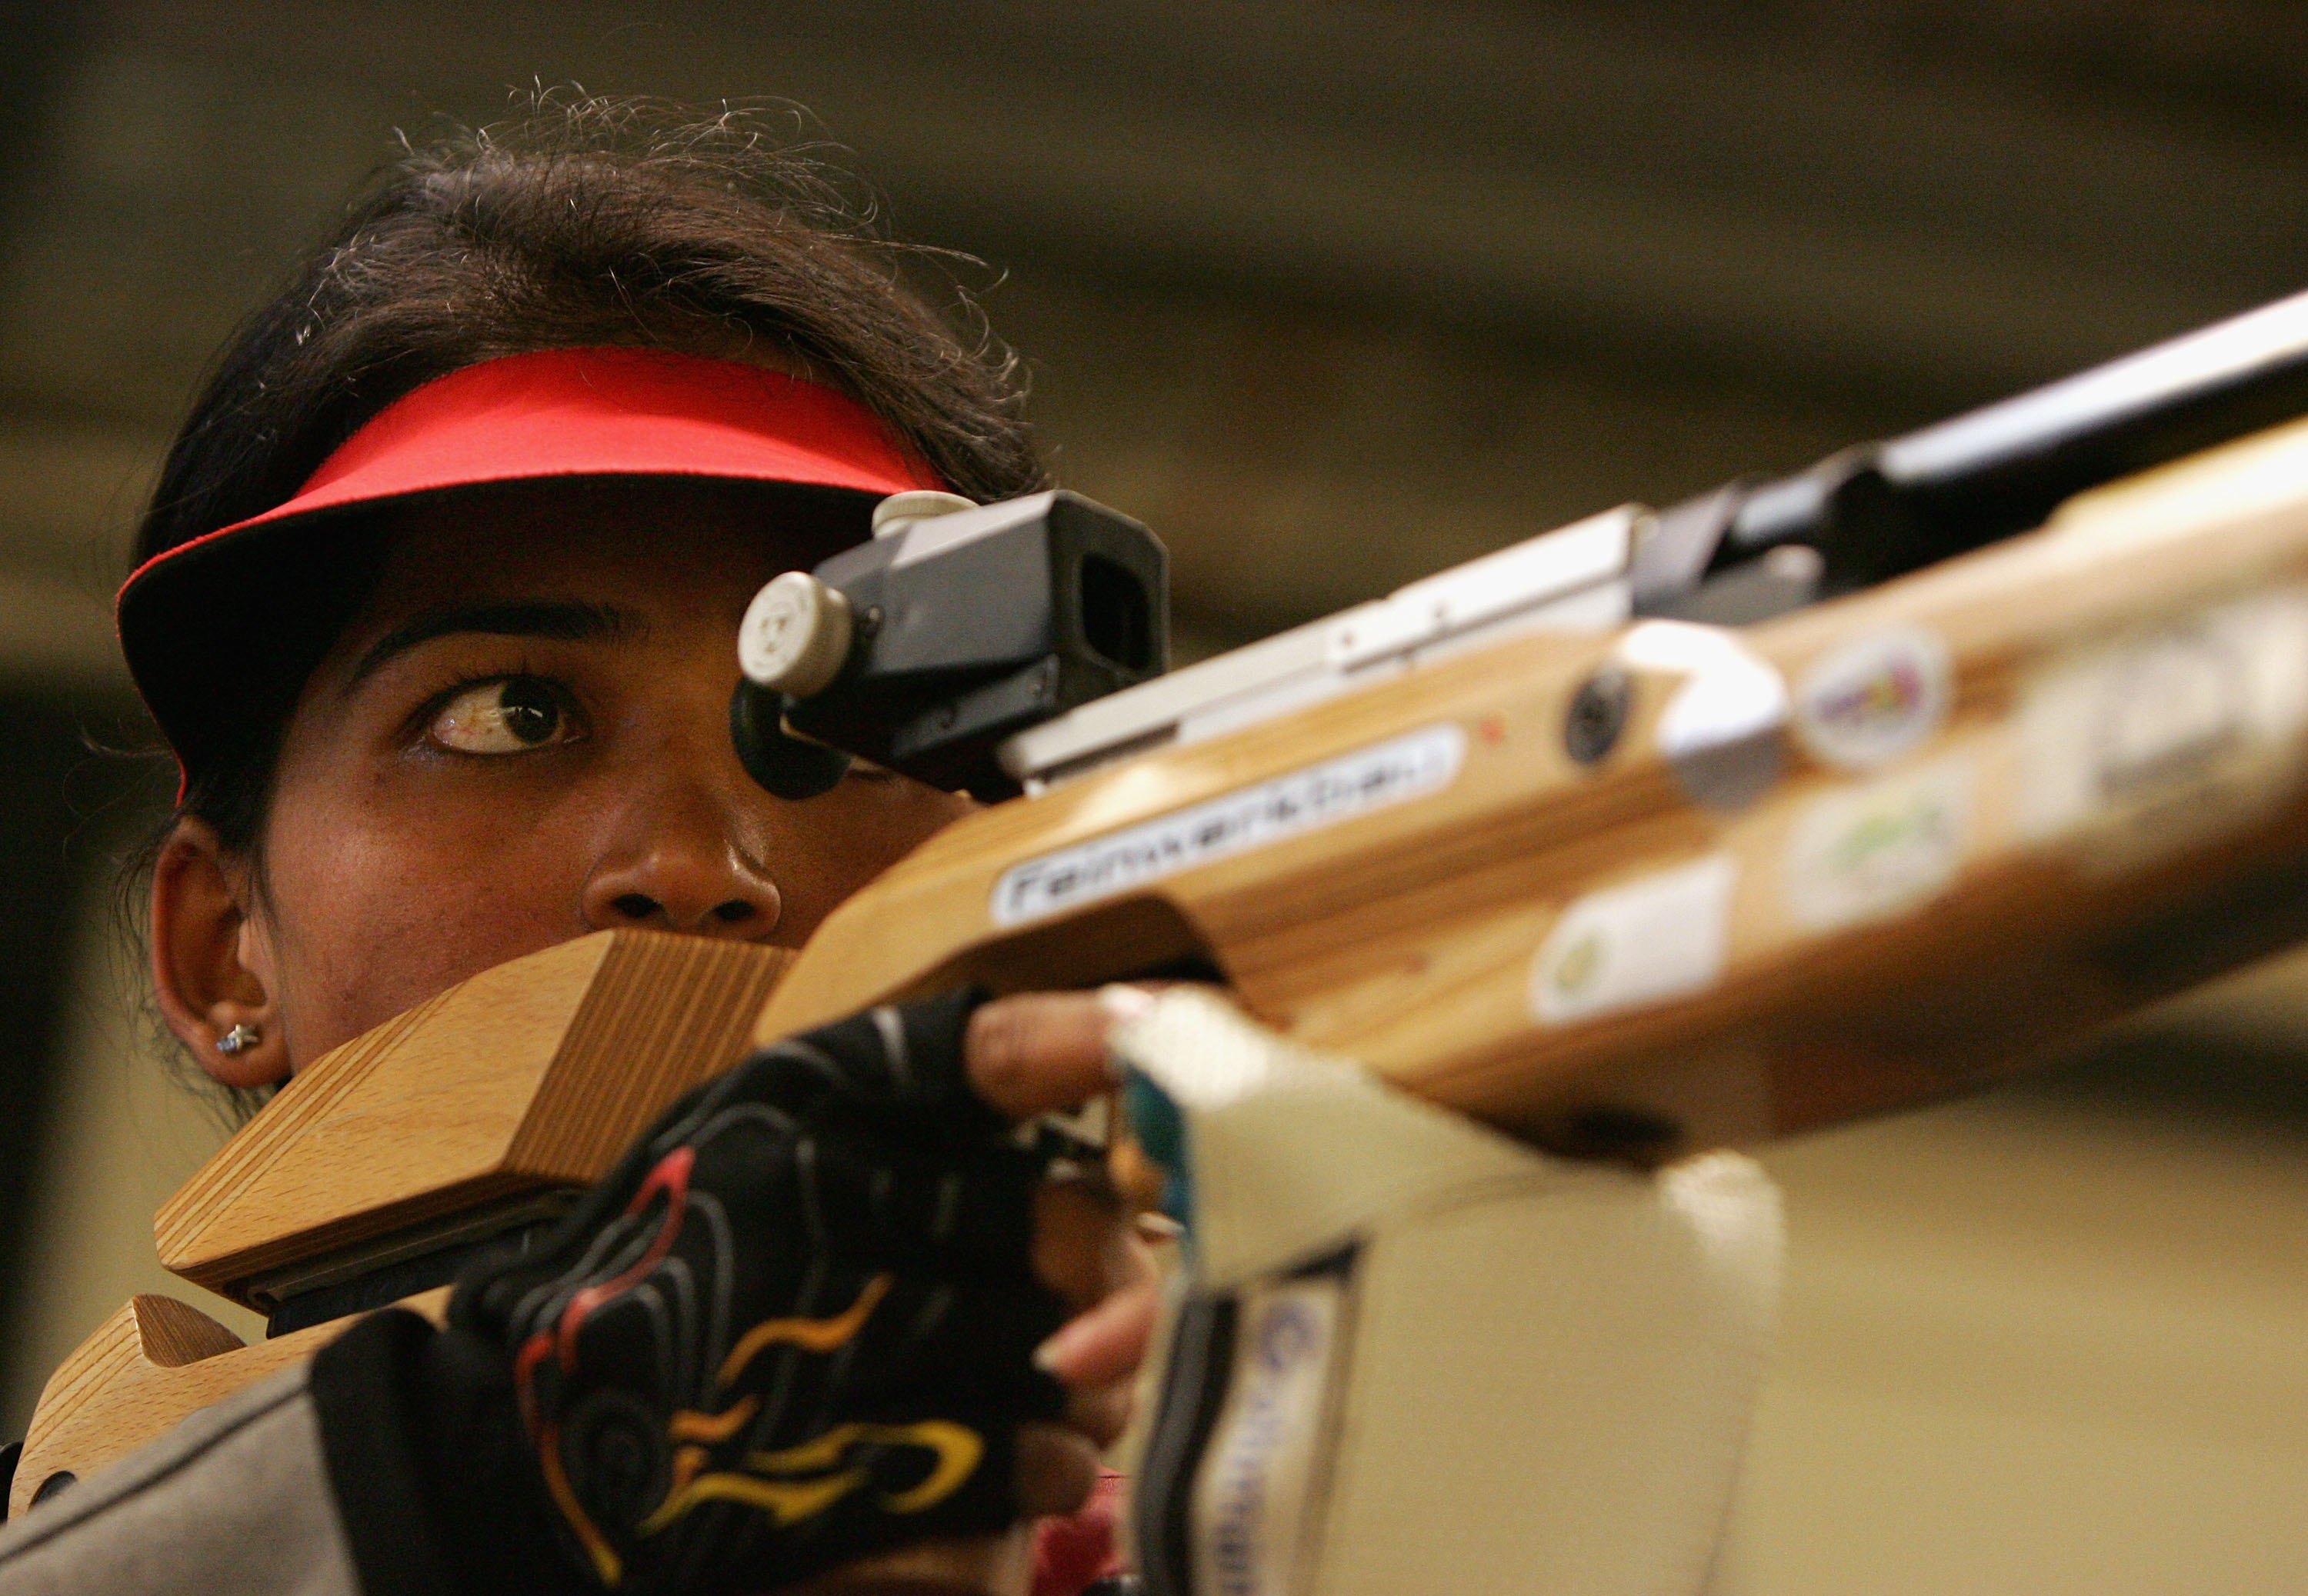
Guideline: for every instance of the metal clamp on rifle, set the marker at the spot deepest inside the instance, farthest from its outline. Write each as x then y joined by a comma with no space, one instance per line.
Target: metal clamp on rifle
958,625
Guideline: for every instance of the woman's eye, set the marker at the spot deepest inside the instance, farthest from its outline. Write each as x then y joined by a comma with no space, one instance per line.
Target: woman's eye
502,717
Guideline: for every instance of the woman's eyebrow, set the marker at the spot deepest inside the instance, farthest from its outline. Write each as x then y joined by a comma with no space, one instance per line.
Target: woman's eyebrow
562,621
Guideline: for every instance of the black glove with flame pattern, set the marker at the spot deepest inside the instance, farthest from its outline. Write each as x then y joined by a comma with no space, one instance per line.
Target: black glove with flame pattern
793,1325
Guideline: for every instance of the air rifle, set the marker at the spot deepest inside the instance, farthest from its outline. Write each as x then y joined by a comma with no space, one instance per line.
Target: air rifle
1804,799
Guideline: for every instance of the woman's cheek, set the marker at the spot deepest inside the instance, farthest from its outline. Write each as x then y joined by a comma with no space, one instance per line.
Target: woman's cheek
827,856
371,918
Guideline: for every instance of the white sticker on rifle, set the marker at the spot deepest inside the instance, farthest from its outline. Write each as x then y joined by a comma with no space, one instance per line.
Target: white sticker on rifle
1659,937
2161,738
1372,778
1859,852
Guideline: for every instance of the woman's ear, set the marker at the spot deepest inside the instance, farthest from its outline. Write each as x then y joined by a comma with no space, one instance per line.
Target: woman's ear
210,966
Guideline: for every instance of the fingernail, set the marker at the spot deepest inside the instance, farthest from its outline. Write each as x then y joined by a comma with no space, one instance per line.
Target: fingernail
1122,1004
1125,1003
1050,1356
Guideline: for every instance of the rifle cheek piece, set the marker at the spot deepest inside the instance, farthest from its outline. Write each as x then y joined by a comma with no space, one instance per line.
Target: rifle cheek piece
956,627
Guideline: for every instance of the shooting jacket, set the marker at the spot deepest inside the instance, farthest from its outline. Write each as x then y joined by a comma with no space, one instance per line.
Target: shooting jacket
295,1488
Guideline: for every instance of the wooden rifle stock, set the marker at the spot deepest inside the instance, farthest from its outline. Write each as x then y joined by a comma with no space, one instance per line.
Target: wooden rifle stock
2001,800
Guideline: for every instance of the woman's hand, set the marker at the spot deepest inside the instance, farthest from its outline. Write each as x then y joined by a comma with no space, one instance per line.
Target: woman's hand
829,1303
1045,1052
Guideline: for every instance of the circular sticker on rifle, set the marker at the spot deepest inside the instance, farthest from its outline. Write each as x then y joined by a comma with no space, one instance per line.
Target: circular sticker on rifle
1868,851
1874,699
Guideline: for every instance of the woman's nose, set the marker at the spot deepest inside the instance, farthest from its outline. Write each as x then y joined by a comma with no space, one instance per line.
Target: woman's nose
675,863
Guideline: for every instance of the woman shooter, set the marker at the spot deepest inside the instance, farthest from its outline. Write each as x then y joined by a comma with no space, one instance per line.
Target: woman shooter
436,606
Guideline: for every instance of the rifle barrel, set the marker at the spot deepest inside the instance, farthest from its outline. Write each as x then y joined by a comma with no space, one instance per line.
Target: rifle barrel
1881,510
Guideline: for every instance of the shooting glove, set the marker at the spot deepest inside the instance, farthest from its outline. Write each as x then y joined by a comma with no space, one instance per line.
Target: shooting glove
793,1325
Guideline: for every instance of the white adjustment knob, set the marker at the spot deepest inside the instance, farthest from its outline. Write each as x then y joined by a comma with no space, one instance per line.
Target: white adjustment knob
795,636
899,511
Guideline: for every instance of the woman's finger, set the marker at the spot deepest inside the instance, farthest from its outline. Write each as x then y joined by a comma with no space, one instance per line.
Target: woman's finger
1106,1343
1056,1468
1101,1413
1084,1244
1040,1053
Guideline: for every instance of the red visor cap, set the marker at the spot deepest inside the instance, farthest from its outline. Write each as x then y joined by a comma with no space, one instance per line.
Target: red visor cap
213,628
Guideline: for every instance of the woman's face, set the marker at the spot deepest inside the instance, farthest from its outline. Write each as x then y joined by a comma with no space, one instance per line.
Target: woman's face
522,738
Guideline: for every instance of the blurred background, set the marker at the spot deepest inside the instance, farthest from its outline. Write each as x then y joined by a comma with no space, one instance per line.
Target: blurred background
1331,296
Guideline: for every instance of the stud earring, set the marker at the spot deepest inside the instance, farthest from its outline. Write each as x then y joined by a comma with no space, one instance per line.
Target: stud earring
239,1040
